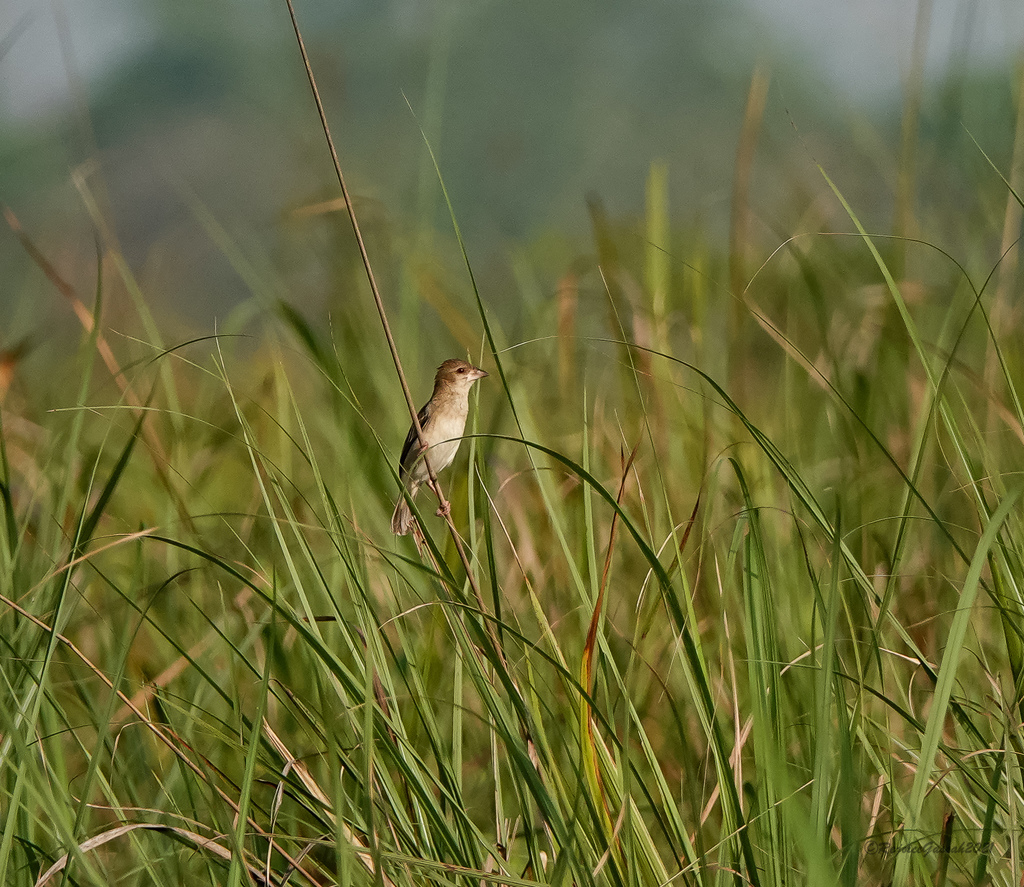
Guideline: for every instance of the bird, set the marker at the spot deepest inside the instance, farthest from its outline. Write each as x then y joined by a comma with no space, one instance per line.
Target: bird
443,420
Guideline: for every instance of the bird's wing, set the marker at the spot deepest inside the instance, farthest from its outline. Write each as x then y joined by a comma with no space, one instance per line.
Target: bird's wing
411,450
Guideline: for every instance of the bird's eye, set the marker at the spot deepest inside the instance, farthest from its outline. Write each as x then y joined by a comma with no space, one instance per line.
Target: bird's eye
461,370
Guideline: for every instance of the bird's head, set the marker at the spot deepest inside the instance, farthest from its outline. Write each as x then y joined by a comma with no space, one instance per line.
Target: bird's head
457,373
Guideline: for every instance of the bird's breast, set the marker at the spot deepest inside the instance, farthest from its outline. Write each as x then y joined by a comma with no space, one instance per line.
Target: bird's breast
448,431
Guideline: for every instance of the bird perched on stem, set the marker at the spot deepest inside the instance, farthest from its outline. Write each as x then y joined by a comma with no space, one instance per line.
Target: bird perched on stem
443,420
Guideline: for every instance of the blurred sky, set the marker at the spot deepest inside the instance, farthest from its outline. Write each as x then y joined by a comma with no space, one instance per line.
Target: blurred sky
862,46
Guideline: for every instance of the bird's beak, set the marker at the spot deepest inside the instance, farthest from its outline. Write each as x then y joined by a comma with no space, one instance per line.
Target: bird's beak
478,373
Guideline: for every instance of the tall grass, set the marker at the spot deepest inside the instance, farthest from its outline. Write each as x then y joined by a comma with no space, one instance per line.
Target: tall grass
749,565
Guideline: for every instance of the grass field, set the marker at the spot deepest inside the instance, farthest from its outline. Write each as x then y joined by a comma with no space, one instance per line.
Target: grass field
744,602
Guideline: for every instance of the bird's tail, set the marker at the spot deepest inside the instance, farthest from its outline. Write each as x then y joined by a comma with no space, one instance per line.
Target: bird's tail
401,520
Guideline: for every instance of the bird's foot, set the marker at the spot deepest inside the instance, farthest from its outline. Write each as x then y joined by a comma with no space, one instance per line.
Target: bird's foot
444,510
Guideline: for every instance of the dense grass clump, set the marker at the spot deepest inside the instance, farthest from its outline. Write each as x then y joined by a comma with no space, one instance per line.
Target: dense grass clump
743,602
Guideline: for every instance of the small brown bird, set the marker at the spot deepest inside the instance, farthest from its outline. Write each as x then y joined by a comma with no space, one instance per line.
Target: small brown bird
443,420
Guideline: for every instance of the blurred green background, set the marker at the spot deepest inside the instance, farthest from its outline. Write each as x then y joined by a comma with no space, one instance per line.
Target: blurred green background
173,110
